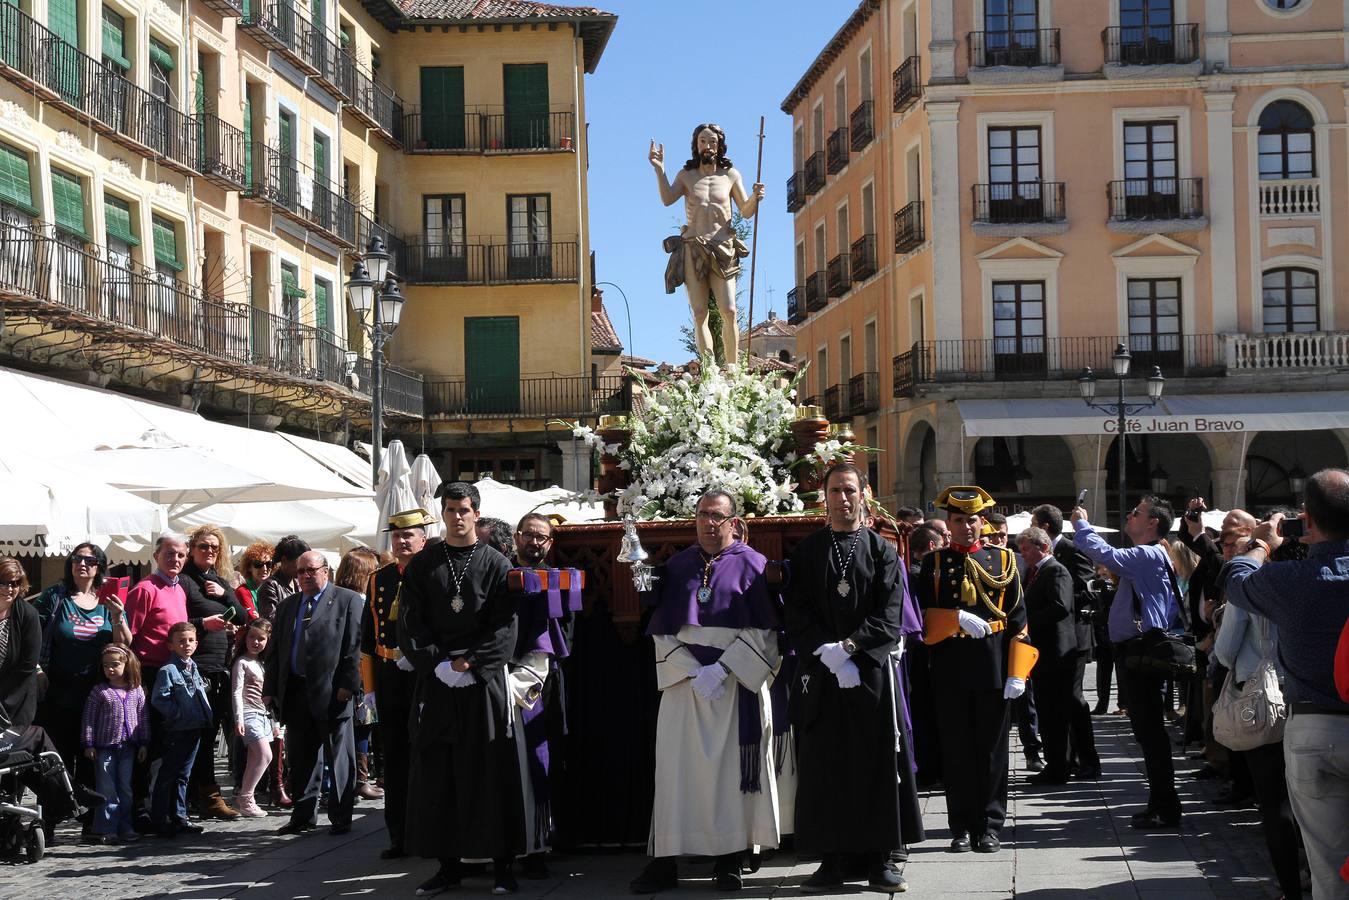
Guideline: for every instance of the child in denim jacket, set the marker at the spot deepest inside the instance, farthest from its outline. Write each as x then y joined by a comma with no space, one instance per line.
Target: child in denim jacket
180,697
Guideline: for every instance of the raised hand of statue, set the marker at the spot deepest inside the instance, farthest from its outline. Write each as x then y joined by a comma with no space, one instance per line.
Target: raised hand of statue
657,156
758,190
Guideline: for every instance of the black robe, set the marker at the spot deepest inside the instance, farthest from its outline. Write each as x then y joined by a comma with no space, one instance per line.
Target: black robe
847,795
464,788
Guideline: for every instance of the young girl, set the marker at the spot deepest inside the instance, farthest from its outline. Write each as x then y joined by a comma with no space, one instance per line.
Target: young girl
115,736
255,722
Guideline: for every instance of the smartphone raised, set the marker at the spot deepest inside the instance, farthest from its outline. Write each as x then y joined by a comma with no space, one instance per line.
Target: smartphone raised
228,615
1082,497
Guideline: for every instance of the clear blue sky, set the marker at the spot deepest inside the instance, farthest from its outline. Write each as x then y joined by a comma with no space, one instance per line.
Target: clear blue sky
656,81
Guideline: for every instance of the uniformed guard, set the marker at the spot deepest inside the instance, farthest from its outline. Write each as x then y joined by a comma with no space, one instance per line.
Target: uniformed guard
386,674
973,618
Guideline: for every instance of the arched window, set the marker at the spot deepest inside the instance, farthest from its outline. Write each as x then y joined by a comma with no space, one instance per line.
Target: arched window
1286,142
785,355
1291,301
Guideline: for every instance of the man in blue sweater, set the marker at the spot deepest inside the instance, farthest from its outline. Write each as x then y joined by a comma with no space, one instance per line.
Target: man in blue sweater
1309,602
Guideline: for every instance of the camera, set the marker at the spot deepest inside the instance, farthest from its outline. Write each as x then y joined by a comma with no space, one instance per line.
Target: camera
1192,515
1292,529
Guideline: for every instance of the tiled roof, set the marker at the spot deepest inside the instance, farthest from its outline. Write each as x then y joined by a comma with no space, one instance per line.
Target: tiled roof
774,327
493,9
830,53
603,338
640,362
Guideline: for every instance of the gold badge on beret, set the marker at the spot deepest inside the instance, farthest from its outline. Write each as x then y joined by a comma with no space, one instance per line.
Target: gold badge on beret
967,499
410,518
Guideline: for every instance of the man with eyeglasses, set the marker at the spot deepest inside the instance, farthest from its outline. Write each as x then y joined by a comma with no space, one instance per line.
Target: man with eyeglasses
715,631
1145,600
387,676
1024,709
313,674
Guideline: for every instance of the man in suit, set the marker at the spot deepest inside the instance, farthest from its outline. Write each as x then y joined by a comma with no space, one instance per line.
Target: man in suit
1082,748
1049,616
313,672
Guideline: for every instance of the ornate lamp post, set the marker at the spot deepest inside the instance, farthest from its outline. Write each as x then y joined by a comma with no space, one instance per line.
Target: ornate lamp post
373,293
1086,384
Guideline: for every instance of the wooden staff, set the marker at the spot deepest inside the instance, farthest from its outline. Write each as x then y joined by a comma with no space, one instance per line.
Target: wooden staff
754,245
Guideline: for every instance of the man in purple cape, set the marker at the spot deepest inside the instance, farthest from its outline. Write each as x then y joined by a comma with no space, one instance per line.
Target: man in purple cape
715,631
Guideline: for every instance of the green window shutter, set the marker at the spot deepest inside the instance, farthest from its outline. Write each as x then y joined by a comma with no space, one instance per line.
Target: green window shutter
318,14
63,18
320,158
199,86
114,39
323,313
117,220
16,186
525,88
492,363
290,285
161,55
443,107
248,140
166,244
68,204
285,135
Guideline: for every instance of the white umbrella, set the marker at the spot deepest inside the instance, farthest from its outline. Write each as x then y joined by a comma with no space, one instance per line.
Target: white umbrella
394,494
425,479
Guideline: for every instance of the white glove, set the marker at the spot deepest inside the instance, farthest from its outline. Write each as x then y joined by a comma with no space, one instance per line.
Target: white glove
709,682
847,674
832,655
404,664
369,700
973,625
1014,688
446,673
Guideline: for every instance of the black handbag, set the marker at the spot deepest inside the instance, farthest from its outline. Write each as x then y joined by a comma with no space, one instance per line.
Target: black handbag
1156,651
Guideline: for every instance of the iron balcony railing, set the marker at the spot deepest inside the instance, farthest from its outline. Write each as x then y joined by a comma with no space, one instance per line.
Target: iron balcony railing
796,307
297,193
554,396
862,124
835,403
909,230
816,294
444,262
23,260
376,104
222,152
1150,45
1026,202
403,391
796,192
227,8
280,27
272,25
1052,358
814,172
526,261
864,393
863,258
906,84
1022,48
489,262
369,226
839,279
836,149
490,130
1135,199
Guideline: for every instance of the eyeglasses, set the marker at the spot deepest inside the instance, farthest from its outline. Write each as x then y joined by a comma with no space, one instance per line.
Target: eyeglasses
209,548
262,564
12,585
716,518
314,570
84,560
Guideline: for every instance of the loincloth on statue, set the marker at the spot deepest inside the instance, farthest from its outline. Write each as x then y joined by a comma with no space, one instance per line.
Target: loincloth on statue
720,259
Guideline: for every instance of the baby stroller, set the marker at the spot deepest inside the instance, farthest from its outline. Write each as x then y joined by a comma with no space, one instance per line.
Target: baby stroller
28,760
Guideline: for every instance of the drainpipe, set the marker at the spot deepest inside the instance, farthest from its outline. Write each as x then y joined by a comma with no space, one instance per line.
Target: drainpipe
582,222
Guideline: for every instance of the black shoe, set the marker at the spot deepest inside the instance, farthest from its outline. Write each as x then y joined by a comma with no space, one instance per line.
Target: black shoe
1148,819
394,852
959,844
534,867
1088,773
1100,710
1047,777
884,878
989,843
185,827
446,877
168,831
294,827
340,828
143,824
1234,800
826,878
1206,773
1034,764
726,873
751,863
503,879
661,874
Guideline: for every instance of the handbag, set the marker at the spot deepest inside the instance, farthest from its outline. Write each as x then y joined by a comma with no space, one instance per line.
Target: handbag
1157,651
1255,714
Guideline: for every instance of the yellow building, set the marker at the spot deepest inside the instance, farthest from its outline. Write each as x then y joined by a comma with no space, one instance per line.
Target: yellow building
185,184
991,195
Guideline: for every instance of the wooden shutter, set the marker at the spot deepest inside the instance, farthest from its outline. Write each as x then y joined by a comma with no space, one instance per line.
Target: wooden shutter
68,204
117,220
16,186
492,363
320,159
166,244
526,95
248,139
443,107
323,313
114,40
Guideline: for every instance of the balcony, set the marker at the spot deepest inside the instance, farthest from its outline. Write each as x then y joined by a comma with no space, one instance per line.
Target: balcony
1012,210
814,172
862,125
837,278
1014,57
226,8
222,153
1157,205
1290,197
1290,350
490,263
272,25
552,397
404,391
863,258
816,295
796,308
487,131
1048,359
836,150
906,83
376,104
796,192
835,398
864,393
1151,51
298,193
909,229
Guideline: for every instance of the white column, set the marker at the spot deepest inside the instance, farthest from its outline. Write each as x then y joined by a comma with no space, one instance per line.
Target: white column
942,47
576,466
944,157
1221,191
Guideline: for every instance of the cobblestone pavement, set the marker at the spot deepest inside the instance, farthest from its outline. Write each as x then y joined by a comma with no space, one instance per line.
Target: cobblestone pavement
1071,841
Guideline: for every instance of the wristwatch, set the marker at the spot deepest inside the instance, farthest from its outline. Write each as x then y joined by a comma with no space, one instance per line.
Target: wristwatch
849,646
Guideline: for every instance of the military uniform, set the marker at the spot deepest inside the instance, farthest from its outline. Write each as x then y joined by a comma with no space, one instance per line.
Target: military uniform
968,674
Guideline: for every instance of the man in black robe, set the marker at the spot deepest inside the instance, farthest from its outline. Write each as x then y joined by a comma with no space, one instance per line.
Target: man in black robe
457,626
844,610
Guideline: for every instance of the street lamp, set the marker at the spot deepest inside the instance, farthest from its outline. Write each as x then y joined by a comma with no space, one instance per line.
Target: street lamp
1297,480
1086,385
374,294
1022,477
1161,479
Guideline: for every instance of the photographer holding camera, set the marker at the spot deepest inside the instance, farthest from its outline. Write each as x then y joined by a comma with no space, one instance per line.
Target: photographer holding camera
1308,600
